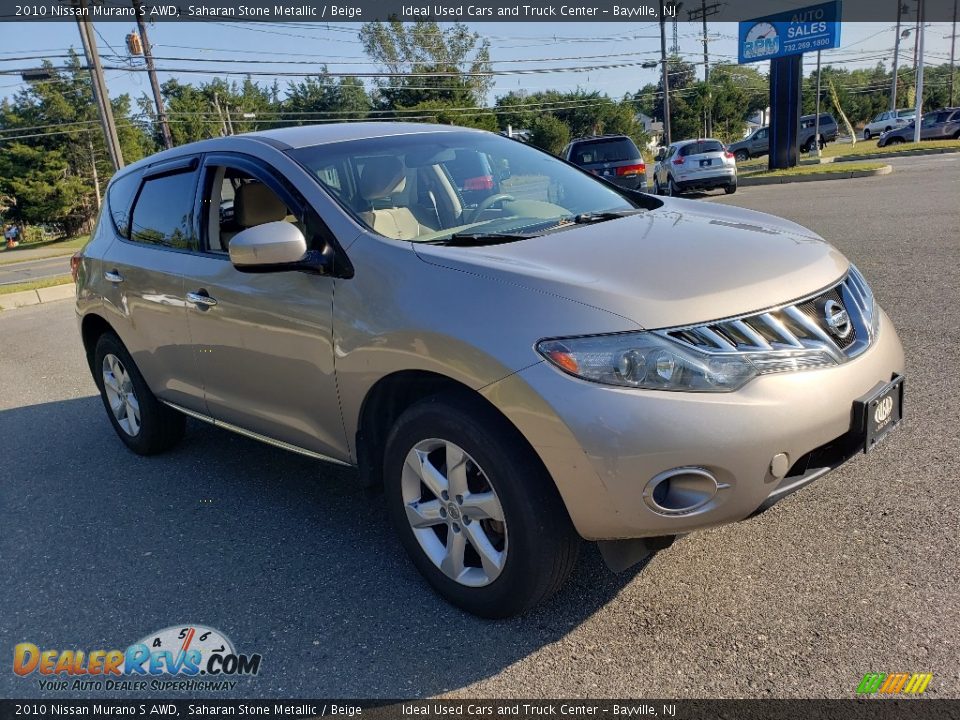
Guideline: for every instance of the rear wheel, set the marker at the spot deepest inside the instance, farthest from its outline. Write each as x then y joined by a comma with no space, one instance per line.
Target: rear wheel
475,509
741,155
866,134
730,189
145,425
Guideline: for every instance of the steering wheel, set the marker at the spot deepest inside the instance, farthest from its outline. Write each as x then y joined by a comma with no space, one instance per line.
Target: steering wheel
487,202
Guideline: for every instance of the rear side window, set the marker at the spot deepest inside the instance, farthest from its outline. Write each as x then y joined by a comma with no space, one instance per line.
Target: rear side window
163,214
607,150
698,148
120,198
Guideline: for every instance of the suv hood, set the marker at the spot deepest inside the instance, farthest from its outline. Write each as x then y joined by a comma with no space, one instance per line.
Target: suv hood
686,262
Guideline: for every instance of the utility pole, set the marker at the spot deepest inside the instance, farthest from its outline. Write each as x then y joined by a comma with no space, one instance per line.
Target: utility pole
896,58
916,41
953,48
918,116
816,132
666,75
152,72
93,166
702,13
100,94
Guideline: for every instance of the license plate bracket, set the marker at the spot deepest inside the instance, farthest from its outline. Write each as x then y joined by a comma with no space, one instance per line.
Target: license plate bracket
706,163
879,411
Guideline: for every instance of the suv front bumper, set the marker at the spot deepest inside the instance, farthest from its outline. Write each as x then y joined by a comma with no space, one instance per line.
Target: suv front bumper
603,444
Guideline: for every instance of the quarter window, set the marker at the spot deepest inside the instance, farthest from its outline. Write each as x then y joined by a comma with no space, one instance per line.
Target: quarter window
120,198
163,214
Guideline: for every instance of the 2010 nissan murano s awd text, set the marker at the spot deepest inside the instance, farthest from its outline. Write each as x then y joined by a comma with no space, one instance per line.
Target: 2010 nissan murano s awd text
558,359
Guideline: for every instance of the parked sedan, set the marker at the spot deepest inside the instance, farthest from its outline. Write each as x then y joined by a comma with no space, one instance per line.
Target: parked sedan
938,125
694,165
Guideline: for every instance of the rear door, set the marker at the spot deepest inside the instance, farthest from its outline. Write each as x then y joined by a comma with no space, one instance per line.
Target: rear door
264,340
144,283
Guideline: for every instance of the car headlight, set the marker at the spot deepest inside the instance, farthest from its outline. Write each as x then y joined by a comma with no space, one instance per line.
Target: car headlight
652,362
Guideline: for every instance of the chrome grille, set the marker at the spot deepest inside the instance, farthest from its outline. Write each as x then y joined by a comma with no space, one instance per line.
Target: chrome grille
800,325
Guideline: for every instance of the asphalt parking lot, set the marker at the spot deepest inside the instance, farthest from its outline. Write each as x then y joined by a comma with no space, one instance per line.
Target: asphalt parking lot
858,573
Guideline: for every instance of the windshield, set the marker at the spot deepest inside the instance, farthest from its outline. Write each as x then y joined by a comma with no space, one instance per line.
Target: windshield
428,187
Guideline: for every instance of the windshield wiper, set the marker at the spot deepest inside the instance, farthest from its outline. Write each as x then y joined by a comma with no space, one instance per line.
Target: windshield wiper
478,239
593,217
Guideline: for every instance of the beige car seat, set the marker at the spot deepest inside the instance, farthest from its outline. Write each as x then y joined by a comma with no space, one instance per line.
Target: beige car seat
381,179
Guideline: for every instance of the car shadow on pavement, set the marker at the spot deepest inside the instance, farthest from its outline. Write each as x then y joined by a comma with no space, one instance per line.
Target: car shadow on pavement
288,557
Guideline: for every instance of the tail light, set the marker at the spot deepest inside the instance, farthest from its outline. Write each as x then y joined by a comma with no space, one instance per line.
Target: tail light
75,260
678,161
632,170
482,182
728,155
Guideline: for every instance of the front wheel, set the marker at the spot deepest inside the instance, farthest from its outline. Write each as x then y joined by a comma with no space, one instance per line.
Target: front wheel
656,187
142,422
474,508
673,190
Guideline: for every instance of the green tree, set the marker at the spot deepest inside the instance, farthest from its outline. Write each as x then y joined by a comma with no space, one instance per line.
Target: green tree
48,167
320,97
549,133
408,51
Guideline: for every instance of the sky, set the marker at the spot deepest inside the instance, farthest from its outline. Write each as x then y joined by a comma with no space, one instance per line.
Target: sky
540,45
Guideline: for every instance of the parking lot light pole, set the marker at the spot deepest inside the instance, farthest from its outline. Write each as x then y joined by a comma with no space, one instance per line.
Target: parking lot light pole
918,115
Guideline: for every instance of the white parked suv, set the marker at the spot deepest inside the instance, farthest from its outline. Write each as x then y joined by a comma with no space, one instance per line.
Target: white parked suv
886,121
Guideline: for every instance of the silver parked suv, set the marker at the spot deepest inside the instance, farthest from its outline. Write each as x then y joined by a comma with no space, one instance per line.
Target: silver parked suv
558,359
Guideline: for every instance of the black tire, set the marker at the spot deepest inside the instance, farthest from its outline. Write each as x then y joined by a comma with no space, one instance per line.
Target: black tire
541,544
160,427
673,190
867,135
730,189
656,187
956,135
741,156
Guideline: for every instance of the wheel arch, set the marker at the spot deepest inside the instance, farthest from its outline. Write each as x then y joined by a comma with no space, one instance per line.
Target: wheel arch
92,327
392,394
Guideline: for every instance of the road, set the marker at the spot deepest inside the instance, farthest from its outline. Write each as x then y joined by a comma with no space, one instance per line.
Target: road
857,573
34,270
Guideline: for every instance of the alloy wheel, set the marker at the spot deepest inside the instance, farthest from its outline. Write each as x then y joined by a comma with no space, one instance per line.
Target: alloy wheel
120,395
454,512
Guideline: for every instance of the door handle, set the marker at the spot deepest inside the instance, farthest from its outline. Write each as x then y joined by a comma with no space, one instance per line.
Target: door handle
113,276
201,299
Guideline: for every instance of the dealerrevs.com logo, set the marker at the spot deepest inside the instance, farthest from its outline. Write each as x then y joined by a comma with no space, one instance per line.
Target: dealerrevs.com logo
181,657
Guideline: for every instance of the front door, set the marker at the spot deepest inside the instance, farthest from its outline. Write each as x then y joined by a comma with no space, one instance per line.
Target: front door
263,341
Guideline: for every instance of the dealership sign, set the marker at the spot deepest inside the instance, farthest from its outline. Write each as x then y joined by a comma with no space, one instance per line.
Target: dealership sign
808,29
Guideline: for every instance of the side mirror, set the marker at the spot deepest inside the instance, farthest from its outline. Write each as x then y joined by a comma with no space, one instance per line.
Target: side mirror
271,247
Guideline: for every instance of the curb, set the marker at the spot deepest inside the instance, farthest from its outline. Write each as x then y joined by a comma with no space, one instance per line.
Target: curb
814,177
884,156
36,297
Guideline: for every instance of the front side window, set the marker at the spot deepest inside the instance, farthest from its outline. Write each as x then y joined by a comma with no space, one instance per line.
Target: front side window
427,187
236,200
761,134
163,213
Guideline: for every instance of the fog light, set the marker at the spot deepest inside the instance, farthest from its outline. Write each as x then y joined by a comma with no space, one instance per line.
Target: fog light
681,491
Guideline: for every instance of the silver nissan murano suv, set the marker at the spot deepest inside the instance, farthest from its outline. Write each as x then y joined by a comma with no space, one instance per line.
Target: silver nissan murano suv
552,359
